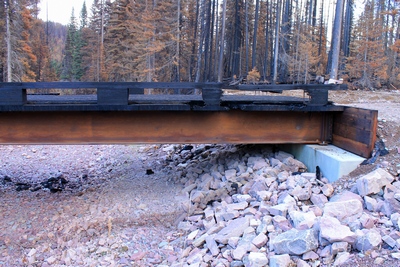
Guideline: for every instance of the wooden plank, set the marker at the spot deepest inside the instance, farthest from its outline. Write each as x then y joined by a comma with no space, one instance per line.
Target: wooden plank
12,96
111,96
115,85
211,95
355,130
352,133
56,127
318,97
353,146
277,87
136,91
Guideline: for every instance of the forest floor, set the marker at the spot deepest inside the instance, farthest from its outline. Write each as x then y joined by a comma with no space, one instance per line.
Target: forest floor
118,205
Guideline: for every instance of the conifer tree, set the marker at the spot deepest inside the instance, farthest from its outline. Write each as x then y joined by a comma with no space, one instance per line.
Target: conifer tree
72,62
367,62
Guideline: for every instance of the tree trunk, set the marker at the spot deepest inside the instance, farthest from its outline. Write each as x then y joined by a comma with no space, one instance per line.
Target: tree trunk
265,69
8,41
336,35
207,32
201,42
253,57
247,36
221,50
216,41
211,76
178,40
194,41
347,28
277,33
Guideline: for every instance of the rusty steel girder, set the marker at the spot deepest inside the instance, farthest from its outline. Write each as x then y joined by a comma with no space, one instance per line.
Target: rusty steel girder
126,127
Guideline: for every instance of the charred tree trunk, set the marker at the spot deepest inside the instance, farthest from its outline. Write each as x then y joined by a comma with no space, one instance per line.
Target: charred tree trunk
336,36
221,50
254,54
276,50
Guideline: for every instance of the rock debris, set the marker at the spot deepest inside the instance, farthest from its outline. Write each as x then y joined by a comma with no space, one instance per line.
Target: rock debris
254,206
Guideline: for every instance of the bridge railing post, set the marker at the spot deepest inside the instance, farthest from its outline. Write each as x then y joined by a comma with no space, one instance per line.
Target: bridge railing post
112,96
211,94
13,96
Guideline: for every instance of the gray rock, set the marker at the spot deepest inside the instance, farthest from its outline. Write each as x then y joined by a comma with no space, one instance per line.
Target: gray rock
327,190
371,240
257,259
286,198
301,193
341,258
280,261
326,252
295,242
391,204
196,196
235,228
338,247
283,176
280,209
259,185
370,203
257,163
240,251
229,214
389,240
261,163
241,198
311,255
302,220
233,241
260,240
263,195
200,241
206,180
294,164
230,175
319,200
333,231
346,207
212,245
373,182
367,221
301,263
237,206
281,156
236,264
396,255
281,222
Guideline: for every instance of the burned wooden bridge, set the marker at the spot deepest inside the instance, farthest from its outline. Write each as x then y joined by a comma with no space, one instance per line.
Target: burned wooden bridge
136,112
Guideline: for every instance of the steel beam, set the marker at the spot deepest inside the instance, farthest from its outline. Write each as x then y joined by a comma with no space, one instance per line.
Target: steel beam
124,127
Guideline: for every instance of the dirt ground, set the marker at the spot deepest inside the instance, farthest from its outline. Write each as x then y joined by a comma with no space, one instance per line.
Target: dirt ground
120,205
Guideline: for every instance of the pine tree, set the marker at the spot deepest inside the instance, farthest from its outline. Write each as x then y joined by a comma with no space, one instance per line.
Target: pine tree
72,62
367,63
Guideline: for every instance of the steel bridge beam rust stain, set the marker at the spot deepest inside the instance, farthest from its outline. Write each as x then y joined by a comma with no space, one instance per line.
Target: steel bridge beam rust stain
123,127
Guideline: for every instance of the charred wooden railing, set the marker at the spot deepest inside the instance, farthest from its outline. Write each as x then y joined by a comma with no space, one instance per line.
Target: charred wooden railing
117,93
121,113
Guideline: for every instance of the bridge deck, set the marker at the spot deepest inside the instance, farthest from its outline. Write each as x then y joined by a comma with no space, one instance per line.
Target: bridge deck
168,102
121,113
